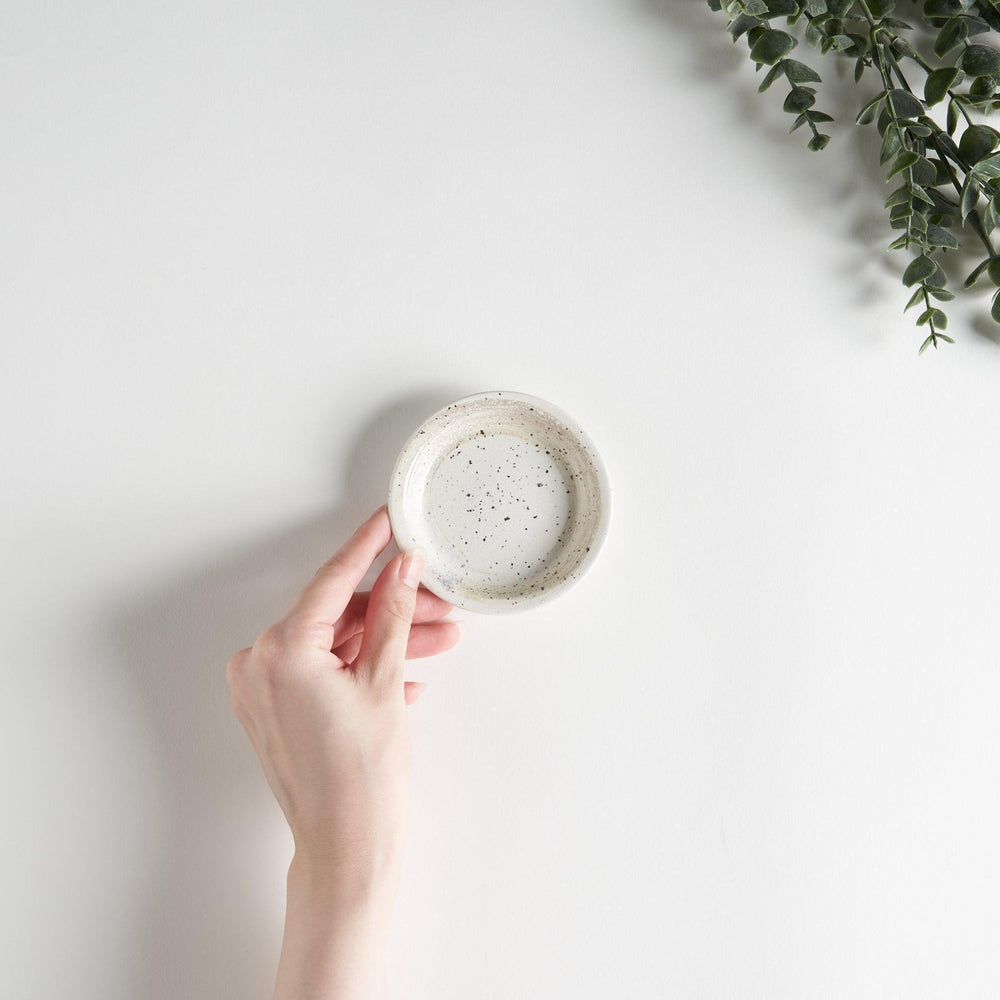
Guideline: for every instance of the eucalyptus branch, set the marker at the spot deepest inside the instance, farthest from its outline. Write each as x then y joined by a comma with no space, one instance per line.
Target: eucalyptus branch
927,159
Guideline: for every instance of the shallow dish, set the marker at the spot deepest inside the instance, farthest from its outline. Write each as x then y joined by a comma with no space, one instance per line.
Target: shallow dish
507,497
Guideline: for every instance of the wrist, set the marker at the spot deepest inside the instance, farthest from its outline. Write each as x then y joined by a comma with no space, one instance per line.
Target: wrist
336,932
328,881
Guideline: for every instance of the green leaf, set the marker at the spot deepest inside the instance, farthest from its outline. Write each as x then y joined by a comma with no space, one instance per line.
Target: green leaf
880,8
900,244
993,270
819,141
859,46
867,114
980,60
905,104
901,47
837,43
905,159
978,272
799,72
923,172
970,196
891,144
935,317
916,298
781,8
818,117
989,220
945,337
977,26
939,83
952,120
938,236
813,34
927,343
982,87
946,144
942,8
938,279
742,24
977,142
942,294
772,46
950,37
988,169
919,270
901,196
799,99
839,8
995,310
772,74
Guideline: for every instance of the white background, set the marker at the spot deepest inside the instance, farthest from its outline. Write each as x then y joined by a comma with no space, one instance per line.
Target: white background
246,249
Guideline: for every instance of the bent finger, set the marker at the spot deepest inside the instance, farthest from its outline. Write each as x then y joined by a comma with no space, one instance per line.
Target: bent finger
325,597
429,608
387,623
412,690
425,639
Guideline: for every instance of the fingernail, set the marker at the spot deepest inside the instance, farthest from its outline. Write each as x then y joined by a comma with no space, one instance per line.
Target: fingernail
411,567
460,622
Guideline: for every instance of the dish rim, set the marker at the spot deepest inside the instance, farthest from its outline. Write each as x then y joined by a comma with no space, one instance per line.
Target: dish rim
405,538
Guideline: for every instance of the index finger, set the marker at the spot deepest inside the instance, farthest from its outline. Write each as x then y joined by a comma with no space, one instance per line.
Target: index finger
325,597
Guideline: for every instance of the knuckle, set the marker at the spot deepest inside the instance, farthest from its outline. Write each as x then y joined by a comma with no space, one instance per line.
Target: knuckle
336,565
270,642
400,608
296,631
235,666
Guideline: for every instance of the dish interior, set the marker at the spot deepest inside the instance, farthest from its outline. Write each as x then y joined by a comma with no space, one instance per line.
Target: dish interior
506,500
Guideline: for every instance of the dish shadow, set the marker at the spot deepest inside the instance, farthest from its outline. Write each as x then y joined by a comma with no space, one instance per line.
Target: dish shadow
206,927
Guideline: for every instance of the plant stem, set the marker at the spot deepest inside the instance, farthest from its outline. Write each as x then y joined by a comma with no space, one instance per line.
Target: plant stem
887,84
914,55
979,230
930,319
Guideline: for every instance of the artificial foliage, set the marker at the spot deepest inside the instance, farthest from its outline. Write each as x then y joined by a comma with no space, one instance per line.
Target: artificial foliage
936,75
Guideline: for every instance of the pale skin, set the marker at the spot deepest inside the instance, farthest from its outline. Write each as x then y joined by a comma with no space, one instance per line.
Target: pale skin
322,697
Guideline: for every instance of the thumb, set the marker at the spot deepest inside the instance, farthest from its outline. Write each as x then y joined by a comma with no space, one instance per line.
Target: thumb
388,619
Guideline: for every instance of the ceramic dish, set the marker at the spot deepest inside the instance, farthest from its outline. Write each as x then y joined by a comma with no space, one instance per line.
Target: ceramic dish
507,497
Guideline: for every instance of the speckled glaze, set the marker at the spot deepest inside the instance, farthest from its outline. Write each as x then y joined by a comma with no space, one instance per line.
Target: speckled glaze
507,497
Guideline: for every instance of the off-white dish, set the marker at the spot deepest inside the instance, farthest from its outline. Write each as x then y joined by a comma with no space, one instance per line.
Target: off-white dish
507,497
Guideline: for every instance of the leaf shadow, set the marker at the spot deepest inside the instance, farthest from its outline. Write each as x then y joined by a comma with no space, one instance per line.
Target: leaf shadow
983,325
719,67
207,927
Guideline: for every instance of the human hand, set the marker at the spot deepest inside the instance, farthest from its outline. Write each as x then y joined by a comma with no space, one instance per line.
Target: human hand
322,698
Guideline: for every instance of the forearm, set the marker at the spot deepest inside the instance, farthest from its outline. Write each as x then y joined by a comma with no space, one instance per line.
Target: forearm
334,945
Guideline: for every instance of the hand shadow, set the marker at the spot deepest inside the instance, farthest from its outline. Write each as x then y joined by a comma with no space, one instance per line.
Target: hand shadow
208,925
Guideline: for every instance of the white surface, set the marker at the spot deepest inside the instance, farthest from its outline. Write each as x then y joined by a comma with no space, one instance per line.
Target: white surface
246,249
